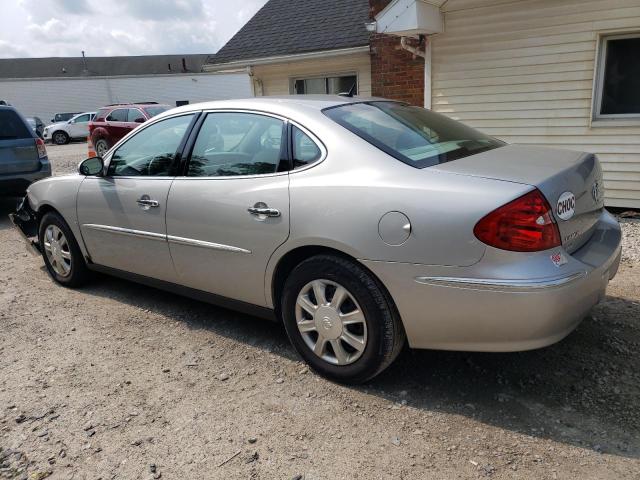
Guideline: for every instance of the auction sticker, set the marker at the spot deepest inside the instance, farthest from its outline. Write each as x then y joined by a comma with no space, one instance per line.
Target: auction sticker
558,259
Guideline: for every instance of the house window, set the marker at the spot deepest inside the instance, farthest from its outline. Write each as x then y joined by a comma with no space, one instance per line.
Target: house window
618,80
323,85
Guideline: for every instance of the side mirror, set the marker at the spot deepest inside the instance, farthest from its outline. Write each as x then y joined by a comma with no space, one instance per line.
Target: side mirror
91,167
71,122
140,120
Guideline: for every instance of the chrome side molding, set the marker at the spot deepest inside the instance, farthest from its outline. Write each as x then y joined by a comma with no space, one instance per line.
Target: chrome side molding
171,238
201,243
125,231
500,284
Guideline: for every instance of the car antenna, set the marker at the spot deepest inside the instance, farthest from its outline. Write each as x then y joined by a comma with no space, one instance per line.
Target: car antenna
351,91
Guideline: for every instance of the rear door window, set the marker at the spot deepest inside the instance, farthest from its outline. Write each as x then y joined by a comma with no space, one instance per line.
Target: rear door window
119,115
415,136
135,115
12,127
305,150
232,144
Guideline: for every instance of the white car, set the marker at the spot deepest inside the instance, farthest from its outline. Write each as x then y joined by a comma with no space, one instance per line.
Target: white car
63,132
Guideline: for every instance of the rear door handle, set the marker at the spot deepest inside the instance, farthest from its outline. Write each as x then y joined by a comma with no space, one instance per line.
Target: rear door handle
146,203
261,209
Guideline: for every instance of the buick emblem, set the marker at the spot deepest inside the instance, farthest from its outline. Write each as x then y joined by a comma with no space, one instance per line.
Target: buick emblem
326,323
596,191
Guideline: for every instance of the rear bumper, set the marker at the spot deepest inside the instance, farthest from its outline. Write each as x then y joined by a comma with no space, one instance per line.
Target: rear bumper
16,184
507,301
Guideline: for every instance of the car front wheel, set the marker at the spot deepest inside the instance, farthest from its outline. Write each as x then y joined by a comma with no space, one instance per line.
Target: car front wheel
340,319
61,253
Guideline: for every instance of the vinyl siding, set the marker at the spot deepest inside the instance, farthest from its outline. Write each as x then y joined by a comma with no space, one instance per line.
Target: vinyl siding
276,78
523,71
45,97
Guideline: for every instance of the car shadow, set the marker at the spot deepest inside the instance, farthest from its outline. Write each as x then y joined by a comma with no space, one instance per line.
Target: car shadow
582,391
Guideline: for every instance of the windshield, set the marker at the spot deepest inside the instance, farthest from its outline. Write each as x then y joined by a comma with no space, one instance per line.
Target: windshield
153,111
413,135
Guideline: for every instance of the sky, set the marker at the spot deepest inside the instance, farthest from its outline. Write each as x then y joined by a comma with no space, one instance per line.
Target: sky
60,28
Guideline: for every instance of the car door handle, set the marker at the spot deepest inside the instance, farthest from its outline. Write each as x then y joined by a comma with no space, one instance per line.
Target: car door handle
266,211
147,202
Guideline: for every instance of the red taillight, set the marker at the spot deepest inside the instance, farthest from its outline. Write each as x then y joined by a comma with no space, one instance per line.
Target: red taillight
523,225
42,151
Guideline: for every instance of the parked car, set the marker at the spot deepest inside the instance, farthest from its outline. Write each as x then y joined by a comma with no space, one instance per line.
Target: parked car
113,122
77,127
63,117
23,156
36,125
358,222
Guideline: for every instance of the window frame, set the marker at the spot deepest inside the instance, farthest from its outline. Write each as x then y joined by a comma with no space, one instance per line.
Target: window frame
286,164
178,160
326,76
601,63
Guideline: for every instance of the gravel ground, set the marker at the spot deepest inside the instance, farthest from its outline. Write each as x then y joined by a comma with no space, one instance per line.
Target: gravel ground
118,380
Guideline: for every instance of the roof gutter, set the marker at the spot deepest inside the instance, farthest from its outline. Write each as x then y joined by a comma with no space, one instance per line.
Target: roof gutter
216,67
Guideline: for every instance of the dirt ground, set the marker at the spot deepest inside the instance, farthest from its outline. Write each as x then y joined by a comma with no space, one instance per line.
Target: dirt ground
121,381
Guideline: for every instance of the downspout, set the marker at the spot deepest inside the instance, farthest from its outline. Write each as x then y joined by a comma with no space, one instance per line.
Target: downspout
426,54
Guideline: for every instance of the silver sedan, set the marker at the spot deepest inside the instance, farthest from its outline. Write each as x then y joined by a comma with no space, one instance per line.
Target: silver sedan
362,224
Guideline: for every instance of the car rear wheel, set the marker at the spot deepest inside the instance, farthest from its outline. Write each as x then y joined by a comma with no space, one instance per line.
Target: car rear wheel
61,253
101,147
60,138
340,319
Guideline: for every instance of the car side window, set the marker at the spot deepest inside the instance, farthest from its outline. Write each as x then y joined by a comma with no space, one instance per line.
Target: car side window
136,115
232,144
119,115
152,151
305,150
82,119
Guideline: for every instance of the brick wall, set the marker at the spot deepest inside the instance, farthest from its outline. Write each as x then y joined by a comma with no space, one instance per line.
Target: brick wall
395,73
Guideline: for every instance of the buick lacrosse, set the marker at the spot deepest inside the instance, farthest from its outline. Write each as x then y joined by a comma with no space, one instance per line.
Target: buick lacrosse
362,224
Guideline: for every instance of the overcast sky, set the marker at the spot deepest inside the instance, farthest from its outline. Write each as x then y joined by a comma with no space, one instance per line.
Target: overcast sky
58,28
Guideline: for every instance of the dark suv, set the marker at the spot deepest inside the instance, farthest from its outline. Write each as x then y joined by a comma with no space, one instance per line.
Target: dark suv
23,156
113,122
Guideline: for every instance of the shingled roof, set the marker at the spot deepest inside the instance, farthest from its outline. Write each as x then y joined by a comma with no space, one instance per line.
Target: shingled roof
100,66
287,27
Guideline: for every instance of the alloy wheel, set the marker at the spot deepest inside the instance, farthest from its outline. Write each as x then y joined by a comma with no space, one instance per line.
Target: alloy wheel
58,251
59,138
331,322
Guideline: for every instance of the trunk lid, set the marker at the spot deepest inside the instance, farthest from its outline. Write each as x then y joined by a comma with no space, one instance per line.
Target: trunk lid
570,181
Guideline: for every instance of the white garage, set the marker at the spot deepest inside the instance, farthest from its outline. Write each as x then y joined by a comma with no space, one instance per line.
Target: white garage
44,86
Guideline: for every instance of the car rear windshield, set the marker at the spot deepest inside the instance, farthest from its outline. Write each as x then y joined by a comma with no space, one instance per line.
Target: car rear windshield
12,127
413,135
153,111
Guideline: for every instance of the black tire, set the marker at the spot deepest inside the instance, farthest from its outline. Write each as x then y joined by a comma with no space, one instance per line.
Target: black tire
79,273
385,335
60,138
101,146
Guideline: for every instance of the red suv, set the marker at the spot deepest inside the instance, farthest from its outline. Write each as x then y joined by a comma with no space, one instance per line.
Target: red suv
113,122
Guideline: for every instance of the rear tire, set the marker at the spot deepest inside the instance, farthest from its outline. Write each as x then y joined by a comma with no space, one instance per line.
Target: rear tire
60,138
61,253
101,147
340,319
